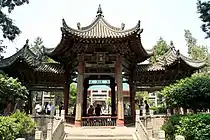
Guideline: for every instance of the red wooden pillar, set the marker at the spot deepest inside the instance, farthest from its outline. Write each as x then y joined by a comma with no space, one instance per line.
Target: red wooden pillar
132,99
85,98
119,80
80,90
113,96
66,90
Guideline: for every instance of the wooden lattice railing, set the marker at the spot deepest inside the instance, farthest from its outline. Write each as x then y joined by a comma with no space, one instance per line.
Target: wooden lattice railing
70,119
99,121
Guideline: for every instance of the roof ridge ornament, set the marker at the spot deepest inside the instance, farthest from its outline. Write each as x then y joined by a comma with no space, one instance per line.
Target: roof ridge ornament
139,24
122,26
64,23
99,12
26,45
78,25
172,47
178,53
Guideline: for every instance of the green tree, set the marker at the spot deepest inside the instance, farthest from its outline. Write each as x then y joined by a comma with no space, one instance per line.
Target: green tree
36,48
159,49
191,92
2,49
18,125
72,94
37,45
199,53
9,29
141,96
190,40
11,89
195,51
203,9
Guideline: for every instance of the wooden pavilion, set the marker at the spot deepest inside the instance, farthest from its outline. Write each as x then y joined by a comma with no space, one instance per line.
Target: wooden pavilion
98,51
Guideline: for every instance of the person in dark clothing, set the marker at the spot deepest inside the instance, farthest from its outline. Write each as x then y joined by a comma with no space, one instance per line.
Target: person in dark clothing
60,107
146,107
90,110
98,110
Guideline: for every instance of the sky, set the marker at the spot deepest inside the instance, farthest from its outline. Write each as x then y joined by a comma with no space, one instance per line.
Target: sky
159,18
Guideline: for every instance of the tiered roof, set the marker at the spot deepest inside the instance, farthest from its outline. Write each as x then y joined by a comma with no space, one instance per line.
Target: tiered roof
24,54
33,61
99,31
171,58
40,73
100,28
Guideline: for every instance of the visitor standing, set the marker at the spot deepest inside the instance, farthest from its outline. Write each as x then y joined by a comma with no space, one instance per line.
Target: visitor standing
61,107
49,108
146,107
90,110
38,108
98,110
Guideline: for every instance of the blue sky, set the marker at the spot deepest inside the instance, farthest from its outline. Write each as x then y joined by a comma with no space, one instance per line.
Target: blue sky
166,18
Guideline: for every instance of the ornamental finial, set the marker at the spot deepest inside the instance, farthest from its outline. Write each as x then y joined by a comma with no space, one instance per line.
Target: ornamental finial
27,41
122,26
99,12
139,24
78,25
172,45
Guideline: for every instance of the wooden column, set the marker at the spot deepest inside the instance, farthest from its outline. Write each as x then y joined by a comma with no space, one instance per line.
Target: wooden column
113,96
132,84
28,106
80,89
119,80
132,98
30,102
66,90
85,98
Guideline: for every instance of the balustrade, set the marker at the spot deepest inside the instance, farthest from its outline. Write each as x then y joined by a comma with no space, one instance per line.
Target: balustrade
128,120
99,121
70,119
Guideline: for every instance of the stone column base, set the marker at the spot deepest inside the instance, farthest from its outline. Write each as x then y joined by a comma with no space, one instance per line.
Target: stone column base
120,123
77,123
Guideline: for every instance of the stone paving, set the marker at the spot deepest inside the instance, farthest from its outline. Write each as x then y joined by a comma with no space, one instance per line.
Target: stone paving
87,133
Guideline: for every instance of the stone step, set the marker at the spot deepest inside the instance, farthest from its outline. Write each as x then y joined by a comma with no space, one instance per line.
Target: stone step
99,138
117,133
99,135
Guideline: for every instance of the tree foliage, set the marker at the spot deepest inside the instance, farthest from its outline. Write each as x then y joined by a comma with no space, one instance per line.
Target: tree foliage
190,40
191,92
37,45
194,127
72,94
195,51
191,126
2,49
9,29
203,8
18,125
170,126
36,48
159,49
141,96
11,89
